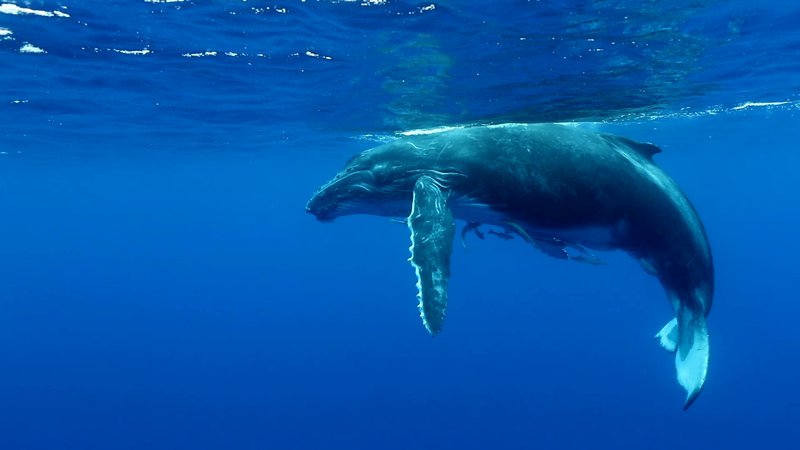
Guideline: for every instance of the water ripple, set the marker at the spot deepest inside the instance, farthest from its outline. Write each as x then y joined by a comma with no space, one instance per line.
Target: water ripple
240,69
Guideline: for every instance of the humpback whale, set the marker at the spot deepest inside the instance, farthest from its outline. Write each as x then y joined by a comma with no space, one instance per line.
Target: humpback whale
561,188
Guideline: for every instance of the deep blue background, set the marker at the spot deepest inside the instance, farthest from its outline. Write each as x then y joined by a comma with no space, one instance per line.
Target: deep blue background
162,287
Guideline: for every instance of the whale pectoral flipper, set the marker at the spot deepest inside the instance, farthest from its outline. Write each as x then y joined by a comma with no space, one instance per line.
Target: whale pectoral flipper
691,355
432,230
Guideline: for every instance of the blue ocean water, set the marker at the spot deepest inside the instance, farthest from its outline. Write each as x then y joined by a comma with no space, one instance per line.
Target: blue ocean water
162,286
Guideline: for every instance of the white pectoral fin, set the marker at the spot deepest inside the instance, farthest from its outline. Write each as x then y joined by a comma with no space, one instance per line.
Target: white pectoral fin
691,353
432,230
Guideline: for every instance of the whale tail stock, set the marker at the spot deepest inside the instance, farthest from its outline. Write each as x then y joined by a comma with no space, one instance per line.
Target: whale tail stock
687,336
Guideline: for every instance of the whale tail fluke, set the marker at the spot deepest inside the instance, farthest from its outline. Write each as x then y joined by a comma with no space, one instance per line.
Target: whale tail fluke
668,336
691,353
687,337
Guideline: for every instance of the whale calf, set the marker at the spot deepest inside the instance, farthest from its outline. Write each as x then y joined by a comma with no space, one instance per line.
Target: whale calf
561,188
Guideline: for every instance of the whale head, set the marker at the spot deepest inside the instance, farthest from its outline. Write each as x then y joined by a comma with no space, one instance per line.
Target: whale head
377,182
380,181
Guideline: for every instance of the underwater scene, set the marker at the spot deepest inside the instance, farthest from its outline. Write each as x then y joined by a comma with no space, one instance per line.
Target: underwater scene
377,224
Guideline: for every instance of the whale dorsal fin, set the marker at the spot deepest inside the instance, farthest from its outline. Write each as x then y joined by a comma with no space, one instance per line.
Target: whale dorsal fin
432,230
642,148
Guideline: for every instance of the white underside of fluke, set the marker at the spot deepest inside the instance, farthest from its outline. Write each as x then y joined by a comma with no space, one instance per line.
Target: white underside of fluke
691,354
668,336
687,337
